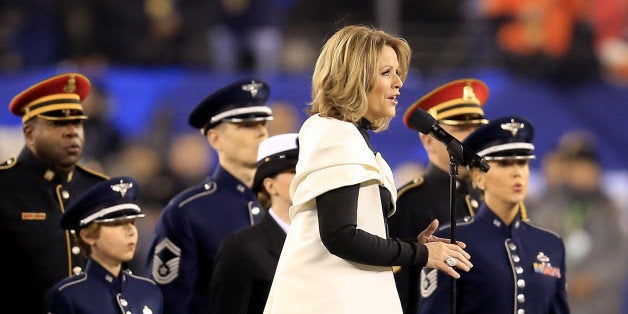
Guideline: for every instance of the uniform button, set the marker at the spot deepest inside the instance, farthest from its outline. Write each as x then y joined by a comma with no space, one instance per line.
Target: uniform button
521,283
521,298
255,210
512,246
521,311
519,270
474,204
516,259
128,312
76,270
65,195
76,250
123,302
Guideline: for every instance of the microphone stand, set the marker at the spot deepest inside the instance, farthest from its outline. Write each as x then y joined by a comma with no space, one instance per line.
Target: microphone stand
455,157
453,172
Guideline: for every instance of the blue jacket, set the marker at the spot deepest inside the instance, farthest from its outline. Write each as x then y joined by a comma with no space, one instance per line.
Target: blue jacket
98,291
516,269
189,233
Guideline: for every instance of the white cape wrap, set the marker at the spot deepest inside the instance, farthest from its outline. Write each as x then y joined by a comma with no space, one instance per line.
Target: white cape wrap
309,279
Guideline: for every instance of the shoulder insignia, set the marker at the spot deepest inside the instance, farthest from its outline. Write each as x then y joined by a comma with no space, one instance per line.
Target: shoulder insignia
8,163
166,260
204,189
93,172
429,281
412,184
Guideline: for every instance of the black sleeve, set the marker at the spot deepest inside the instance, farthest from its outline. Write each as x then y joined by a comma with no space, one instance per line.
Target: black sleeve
337,218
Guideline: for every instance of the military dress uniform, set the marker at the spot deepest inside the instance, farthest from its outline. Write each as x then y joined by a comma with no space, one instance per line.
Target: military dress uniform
97,290
517,268
457,103
193,225
33,197
246,263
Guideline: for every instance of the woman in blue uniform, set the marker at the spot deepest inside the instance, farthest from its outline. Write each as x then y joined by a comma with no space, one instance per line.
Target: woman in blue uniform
103,221
517,267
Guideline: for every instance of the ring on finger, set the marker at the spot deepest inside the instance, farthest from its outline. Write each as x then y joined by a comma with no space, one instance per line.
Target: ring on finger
451,261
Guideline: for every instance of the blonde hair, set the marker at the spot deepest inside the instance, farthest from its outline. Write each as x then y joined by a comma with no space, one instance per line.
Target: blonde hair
347,69
91,231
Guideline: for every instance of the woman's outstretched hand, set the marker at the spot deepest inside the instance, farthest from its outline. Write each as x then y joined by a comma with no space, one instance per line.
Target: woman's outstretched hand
442,254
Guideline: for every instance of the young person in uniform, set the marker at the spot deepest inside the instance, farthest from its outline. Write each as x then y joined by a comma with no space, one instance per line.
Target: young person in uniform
103,222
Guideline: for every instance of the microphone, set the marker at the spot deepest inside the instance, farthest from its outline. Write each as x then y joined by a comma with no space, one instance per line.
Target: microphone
426,124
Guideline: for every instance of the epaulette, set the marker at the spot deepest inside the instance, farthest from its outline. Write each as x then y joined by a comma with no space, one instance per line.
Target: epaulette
8,163
414,183
93,172
532,224
197,191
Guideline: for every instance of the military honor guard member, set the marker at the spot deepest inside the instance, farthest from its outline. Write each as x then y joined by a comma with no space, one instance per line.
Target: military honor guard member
247,260
518,268
193,225
37,185
103,221
457,106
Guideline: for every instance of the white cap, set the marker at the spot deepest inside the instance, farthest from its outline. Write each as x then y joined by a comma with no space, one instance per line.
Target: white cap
277,144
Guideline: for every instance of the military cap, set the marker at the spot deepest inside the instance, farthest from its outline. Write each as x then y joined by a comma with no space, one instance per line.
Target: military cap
456,103
504,138
275,154
106,201
242,101
56,98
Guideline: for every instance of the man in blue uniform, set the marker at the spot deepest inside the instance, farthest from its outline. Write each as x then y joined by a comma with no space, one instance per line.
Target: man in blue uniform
103,221
517,268
457,106
247,260
36,186
194,223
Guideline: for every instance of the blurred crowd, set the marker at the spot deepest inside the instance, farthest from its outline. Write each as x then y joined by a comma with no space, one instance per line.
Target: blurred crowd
557,39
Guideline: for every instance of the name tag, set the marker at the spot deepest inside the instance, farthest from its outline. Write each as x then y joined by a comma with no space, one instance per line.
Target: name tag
33,216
